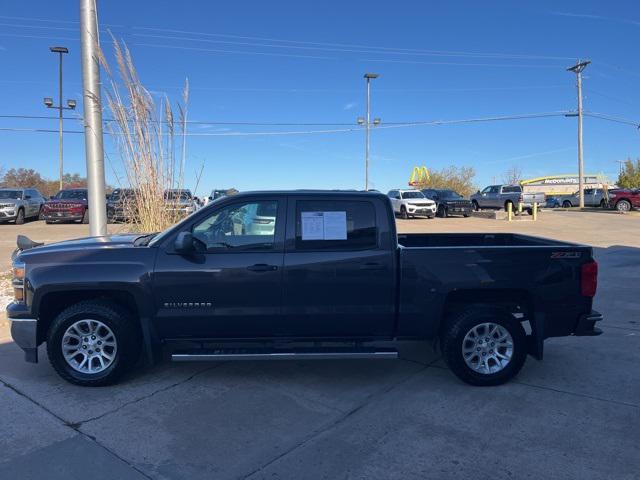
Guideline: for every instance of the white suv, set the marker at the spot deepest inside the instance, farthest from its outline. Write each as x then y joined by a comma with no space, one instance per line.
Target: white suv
411,203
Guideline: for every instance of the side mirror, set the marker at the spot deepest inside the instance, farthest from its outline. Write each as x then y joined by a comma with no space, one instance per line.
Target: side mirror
184,243
478,191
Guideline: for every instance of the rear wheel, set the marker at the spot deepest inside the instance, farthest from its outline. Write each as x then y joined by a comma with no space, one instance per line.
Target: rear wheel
20,217
566,204
623,206
484,345
475,206
506,206
603,204
40,214
442,211
403,213
93,343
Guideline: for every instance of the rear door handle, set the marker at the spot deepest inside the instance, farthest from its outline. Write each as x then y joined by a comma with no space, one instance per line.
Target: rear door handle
262,267
372,266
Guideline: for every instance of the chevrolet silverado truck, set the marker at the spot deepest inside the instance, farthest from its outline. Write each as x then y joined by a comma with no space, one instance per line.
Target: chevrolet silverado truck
297,275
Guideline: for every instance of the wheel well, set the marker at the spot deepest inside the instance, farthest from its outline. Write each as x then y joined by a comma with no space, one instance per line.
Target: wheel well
511,300
506,204
623,200
53,303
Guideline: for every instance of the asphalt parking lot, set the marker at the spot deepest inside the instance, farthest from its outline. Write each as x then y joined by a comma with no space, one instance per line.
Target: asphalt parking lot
574,415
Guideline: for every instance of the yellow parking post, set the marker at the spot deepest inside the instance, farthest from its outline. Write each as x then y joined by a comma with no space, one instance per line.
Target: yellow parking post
509,211
519,208
535,211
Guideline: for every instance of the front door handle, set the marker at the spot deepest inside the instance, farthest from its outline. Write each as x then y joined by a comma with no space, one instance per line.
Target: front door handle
262,267
372,266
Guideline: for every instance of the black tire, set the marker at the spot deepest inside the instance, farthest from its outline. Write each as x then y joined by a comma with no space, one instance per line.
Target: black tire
566,204
124,328
476,207
40,214
20,217
603,204
85,217
623,206
442,211
430,217
457,328
530,211
465,215
403,213
48,222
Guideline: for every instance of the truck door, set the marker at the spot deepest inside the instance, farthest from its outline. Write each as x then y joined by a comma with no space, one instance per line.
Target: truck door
231,286
488,197
339,280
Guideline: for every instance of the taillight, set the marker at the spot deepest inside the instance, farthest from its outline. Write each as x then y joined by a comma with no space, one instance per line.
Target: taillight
589,279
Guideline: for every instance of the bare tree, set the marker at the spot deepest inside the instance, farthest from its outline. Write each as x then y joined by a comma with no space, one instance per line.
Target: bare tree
513,176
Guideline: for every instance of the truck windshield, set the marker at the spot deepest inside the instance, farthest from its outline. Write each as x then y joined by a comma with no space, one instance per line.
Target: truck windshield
13,194
413,195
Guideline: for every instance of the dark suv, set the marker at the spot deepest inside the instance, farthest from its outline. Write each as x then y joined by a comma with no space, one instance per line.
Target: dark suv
448,202
121,205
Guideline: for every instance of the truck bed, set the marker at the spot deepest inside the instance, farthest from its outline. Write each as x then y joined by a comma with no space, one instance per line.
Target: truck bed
413,240
437,267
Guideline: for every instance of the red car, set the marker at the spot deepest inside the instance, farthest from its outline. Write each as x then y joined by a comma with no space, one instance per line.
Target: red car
69,205
624,199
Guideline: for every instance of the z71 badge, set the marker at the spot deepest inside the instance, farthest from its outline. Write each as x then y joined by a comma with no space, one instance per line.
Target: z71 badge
566,254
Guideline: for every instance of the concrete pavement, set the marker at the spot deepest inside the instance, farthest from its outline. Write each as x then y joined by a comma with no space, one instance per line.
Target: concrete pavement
574,415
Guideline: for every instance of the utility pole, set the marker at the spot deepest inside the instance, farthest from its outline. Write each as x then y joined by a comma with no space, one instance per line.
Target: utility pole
367,122
71,104
90,42
577,69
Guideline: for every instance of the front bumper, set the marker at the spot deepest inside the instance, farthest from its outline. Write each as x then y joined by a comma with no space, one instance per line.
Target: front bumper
8,214
586,324
24,332
62,216
421,210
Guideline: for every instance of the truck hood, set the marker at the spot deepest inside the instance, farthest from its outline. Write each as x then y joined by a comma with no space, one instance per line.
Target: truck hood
108,241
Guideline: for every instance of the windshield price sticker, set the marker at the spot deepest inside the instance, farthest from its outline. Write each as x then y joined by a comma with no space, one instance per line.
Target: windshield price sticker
324,225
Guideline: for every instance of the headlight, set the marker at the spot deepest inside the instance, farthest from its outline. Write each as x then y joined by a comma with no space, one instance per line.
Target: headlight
18,282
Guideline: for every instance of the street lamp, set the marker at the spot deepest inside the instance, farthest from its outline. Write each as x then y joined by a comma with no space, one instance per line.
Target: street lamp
368,77
71,104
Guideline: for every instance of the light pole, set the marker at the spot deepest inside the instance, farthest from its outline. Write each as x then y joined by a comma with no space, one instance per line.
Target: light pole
71,104
368,77
577,69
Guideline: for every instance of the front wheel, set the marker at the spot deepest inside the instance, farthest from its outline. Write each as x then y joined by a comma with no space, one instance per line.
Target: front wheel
403,213
623,206
93,343
20,217
476,207
442,212
566,204
85,217
484,346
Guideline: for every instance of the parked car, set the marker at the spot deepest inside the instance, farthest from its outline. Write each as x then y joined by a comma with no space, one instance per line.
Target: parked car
448,202
68,205
624,199
500,196
593,197
121,205
180,202
412,203
552,202
329,278
20,204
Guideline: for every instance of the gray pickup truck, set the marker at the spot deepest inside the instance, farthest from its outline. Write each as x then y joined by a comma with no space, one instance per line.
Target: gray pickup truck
19,204
500,196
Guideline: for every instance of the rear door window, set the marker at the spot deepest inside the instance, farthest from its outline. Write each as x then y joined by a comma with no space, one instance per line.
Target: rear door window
335,225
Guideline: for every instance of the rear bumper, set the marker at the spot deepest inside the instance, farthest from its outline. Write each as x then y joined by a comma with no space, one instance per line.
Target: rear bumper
586,324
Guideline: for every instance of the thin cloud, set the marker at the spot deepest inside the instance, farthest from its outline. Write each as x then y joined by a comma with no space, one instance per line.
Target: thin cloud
349,106
589,16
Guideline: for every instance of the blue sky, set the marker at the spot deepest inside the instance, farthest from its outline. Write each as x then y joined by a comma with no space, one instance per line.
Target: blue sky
302,62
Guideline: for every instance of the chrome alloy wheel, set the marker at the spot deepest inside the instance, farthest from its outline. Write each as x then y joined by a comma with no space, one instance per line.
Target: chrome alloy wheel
89,346
487,348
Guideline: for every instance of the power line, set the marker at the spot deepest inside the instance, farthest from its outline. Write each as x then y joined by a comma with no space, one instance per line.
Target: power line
612,118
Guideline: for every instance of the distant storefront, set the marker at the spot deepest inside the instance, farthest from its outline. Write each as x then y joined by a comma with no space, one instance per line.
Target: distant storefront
563,184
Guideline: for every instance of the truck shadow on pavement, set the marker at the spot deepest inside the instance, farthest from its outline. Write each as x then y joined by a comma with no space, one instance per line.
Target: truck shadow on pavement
281,419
